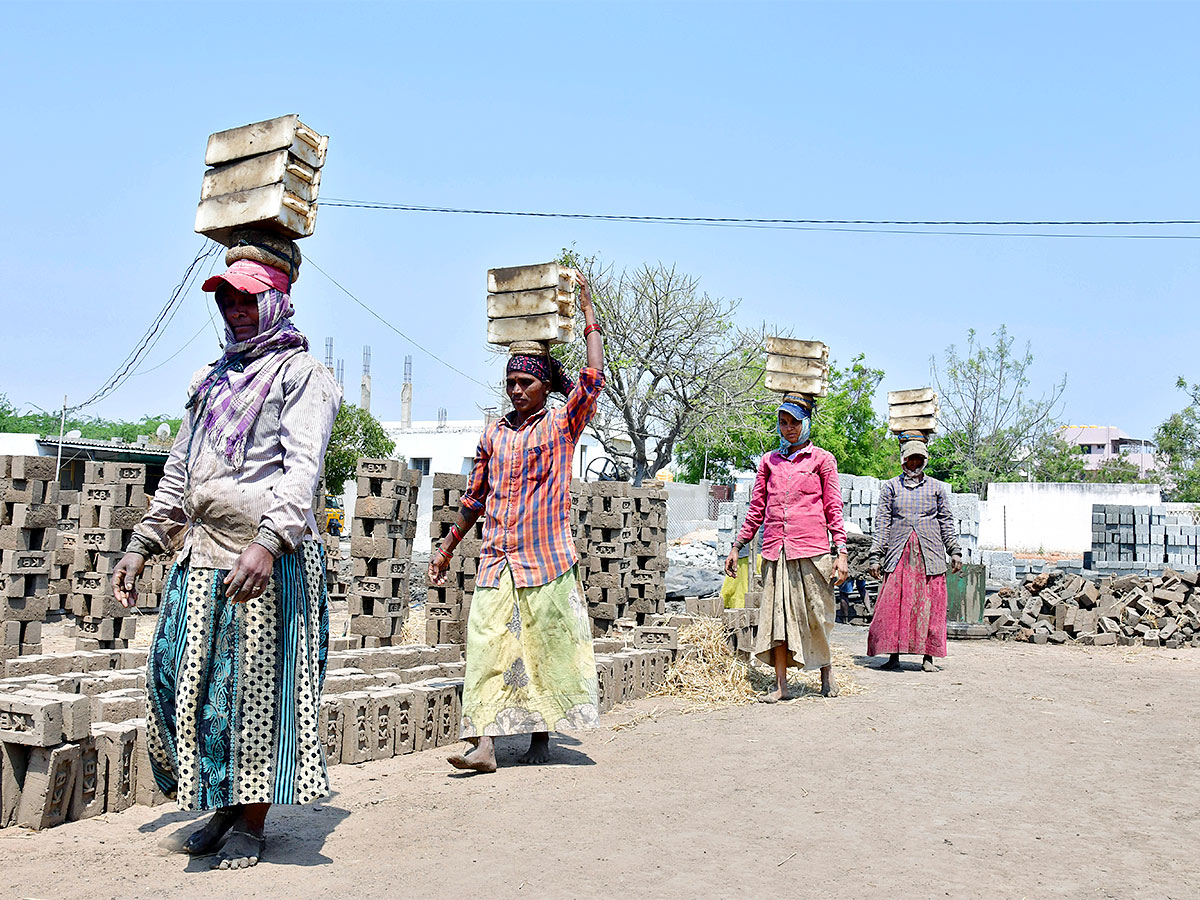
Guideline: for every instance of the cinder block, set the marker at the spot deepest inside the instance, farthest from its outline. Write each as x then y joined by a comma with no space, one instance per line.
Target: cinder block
118,743
49,785
358,737
88,796
30,721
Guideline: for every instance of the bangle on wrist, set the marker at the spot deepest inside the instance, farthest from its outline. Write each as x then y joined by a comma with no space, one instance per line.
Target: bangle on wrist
443,553
594,326
454,531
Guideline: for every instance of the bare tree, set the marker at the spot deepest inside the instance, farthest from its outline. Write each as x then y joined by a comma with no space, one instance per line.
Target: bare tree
675,362
991,425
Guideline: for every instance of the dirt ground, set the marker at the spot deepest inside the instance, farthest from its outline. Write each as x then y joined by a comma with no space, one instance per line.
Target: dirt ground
1016,771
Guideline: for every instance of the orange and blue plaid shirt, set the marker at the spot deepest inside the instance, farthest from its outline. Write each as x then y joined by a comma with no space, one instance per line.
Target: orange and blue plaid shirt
521,481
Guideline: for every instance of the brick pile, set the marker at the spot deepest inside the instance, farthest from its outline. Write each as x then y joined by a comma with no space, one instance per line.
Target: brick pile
73,728
447,606
29,513
112,501
381,538
647,585
1142,538
1056,607
603,531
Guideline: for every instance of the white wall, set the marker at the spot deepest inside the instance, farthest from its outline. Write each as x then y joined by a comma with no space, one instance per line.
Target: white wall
1050,517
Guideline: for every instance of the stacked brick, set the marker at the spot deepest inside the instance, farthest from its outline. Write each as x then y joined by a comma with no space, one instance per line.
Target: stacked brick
335,581
1056,607
1142,538
381,538
112,501
29,512
604,537
447,606
647,585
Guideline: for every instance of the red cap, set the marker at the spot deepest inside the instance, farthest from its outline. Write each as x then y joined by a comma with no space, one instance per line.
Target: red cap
251,277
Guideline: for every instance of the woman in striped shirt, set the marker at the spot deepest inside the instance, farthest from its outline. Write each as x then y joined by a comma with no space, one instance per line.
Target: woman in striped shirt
530,667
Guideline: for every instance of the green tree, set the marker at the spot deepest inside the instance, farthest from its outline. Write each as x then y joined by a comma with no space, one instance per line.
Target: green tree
1178,440
356,433
994,425
1116,470
47,424
1057,460
845,424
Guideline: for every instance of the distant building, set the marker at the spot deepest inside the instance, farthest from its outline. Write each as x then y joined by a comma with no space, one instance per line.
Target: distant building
1100,443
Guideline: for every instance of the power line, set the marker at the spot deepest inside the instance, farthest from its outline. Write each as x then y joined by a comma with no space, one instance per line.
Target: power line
127,367
425,350
172,356
865,226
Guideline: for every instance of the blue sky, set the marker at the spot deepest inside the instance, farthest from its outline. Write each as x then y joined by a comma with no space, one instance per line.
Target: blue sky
847,110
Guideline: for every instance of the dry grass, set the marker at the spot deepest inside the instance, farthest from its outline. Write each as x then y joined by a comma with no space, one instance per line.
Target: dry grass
709,674
413,631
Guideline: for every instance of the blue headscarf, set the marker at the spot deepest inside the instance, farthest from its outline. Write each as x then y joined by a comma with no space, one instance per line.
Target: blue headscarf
795,407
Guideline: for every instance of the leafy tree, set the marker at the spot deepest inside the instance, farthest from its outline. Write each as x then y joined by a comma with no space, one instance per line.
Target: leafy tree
845,424
1056,460
1116,470
993,423
1178,440
47,424
356,433
676,362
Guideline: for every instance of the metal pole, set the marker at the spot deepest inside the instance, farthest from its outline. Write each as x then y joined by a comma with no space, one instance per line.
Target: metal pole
62,427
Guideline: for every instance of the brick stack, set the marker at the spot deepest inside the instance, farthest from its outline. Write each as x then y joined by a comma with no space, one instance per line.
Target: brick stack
1140,539
28,533
647,586
112,502
62,560
605,543
447,606
1055,607
335,581
381,537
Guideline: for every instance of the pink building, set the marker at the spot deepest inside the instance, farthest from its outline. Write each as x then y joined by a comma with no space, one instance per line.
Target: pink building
1103,442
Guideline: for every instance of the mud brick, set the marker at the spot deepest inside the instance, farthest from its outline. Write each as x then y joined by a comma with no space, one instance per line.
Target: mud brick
358,737
30,604
704,606
49,784
14,759
604,682
375,508
452,632
146,790
30,721
373,467
41,468
449,723
372,547
431,714
373,626
382,708
118,705
25,562
88,795
331,721
122,518
76,713
1104,640
655,638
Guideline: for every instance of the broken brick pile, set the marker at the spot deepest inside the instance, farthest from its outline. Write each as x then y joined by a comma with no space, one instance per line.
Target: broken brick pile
1055,607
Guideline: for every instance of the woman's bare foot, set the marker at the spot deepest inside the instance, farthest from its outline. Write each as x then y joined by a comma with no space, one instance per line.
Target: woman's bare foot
243,849
206,839
539,749
481,757
891,665
829,685
776,696
927,664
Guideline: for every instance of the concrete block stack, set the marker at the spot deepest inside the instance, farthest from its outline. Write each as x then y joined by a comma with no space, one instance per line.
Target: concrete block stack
965,508
1141,539
605,541
1001,566
800,367
335,578
29,514
1056,607
647,588
112,502
860,500
447,606
527,304
381,538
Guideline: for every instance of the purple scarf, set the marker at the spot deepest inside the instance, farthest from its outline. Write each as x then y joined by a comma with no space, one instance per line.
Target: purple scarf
543,368
233,392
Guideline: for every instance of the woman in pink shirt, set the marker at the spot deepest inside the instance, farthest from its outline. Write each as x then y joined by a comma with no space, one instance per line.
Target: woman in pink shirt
798,503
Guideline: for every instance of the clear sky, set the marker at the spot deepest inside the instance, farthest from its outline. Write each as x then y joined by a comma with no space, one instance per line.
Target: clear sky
800,110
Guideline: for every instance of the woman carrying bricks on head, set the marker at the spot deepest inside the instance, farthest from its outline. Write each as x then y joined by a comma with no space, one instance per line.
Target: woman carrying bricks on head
530,667
914,533
798,504
238,657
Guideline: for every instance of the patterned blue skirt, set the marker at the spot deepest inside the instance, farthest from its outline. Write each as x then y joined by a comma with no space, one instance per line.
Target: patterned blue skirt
233,689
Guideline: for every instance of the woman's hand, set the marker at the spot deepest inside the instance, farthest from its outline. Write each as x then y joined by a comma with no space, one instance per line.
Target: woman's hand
841,570
874,571
585,300
731,563
124,580
439,564
956,564
250,575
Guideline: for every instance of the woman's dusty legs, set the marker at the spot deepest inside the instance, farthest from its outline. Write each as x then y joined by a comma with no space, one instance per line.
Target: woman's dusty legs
481,757
539,749
244,846
829,686
892,664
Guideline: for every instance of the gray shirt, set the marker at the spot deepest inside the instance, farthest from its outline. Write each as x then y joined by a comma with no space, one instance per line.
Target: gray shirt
924,508
211,510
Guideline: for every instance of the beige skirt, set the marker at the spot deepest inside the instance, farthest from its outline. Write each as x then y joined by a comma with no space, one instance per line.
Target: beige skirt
797,609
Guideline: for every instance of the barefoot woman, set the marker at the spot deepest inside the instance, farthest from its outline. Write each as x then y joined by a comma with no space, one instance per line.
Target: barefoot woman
914,533
798,503
530,668
234,676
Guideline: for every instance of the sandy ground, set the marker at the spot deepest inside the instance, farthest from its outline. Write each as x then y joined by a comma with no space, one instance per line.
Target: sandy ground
1016,771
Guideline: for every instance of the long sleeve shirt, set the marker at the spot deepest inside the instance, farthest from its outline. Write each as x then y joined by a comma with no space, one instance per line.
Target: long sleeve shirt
798,503
521,481
211,510
923,508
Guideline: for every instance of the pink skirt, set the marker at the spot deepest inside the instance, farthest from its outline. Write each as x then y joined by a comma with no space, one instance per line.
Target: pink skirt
910,614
